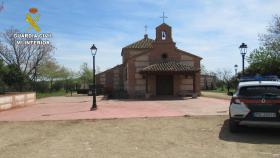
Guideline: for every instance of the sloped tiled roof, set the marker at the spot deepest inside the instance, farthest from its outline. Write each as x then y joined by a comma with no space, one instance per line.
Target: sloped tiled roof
187,53
170,66
144,43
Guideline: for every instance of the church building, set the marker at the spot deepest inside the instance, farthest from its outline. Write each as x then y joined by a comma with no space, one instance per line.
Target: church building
154,67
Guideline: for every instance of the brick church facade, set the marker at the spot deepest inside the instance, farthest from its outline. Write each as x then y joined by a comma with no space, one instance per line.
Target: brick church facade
154,68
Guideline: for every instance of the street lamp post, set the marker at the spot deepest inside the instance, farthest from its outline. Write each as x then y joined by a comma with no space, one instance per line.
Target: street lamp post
243,51
93,50
235,68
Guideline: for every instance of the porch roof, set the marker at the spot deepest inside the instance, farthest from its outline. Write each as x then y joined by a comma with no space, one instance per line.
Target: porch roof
169,67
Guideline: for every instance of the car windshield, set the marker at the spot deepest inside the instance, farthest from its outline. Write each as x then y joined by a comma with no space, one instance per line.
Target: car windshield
260,91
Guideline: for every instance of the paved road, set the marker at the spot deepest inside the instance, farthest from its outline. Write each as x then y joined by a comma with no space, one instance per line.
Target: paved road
73,108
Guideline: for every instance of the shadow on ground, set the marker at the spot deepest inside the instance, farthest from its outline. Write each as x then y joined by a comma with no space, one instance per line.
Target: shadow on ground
251,135
156,99
65,113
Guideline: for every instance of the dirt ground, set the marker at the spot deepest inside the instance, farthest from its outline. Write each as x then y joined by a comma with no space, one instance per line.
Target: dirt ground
168,137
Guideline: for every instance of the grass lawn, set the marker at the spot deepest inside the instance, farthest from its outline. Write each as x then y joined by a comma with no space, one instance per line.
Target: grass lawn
214,94
50,94
219,93
221,90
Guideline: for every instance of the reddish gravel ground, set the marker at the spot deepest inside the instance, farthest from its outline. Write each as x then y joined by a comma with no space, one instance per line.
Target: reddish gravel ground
74,108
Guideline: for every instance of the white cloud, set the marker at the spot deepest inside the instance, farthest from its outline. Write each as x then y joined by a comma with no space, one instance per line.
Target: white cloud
217,29
210,29
72,53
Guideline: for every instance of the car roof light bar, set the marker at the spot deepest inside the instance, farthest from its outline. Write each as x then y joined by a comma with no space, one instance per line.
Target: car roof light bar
259,78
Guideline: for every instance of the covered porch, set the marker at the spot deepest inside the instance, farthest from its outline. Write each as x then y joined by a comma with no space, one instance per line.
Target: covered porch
171,79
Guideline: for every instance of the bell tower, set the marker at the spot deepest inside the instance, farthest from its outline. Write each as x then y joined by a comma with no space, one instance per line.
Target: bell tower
164,33
164,48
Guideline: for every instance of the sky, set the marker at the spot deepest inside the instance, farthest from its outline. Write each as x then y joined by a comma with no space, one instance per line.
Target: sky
212,29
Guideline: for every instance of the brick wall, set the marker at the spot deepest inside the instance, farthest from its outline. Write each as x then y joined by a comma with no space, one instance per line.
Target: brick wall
12,100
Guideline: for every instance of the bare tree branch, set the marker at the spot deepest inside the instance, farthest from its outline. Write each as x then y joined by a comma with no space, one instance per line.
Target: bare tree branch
26,57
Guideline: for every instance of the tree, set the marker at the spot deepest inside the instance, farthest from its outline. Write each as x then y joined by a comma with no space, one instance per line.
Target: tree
11,78
203,70
26,58
58,76
14,78
70,81
68,77
50,71
3,70
266,59
85,74
224,76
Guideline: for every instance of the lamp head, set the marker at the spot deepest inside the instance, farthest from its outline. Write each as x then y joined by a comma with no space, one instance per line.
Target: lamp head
243,48
93,49
243,45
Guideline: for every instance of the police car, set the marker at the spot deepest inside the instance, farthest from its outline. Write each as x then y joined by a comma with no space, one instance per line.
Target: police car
256,103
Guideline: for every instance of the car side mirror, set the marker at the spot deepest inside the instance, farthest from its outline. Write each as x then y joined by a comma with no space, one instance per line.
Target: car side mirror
230,93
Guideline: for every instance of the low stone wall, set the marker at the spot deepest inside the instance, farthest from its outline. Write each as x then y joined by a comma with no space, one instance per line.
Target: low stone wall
12,100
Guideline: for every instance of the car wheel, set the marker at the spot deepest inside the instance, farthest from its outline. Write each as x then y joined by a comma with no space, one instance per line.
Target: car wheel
234,126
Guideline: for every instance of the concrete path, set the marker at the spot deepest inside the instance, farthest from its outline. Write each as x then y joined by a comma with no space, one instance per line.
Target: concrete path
73,108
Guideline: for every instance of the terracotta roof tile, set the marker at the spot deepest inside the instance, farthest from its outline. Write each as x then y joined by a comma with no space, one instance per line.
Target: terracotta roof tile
144,43
170,66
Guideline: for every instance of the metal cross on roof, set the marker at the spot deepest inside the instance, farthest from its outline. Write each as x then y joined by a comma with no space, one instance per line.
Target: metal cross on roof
145,29
163,17
2,6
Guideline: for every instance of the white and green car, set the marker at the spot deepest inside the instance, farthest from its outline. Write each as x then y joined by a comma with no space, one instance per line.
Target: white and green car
256,103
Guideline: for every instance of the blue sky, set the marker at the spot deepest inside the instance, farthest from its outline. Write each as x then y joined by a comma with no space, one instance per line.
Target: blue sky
211,29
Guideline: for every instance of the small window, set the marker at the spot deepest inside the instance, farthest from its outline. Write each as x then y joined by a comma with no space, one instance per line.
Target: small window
163,35
164,56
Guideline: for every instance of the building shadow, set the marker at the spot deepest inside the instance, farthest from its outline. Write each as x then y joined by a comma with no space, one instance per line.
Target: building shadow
155,98
252,135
